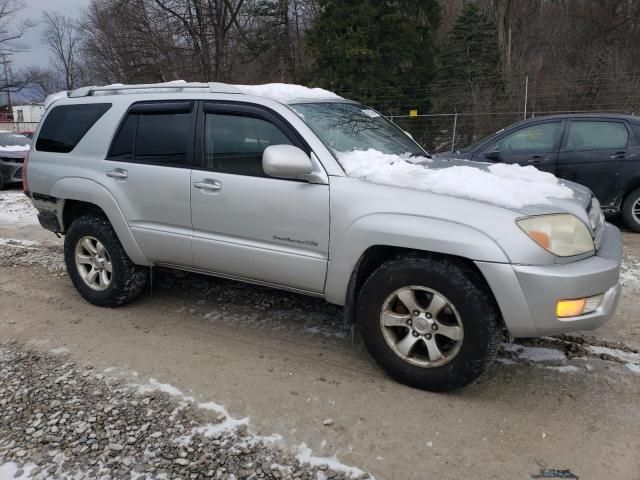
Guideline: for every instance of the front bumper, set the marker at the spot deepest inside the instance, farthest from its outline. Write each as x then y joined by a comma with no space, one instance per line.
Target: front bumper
527,294
11,172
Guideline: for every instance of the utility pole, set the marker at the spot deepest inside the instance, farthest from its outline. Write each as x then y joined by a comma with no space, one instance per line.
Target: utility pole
6,82
526,95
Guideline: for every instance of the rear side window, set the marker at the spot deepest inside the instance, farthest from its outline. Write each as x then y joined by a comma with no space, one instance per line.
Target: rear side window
153,134
65,126
597,136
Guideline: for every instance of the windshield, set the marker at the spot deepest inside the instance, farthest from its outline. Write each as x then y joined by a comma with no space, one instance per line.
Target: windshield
11,139
345,127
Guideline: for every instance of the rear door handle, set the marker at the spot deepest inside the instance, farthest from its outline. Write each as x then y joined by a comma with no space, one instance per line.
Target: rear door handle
538,159
619,155
212,185
117,173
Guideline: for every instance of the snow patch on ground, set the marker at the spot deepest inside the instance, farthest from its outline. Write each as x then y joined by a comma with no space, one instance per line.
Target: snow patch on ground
621,355
630,272
10,470
286,93
16,209
59,350
634,367
305,455
511,186
229,424
14,242
535,354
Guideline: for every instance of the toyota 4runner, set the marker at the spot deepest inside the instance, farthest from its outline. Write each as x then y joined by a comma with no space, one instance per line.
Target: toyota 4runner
249,184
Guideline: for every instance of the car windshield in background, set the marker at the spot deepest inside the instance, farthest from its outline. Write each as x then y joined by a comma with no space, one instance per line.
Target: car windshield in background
10,139
345,127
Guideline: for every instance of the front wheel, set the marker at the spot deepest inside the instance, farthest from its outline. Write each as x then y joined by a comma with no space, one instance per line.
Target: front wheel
429,322
631,210
98,264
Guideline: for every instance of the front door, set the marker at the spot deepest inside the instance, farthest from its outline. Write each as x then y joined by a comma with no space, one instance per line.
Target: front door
535,145
249,225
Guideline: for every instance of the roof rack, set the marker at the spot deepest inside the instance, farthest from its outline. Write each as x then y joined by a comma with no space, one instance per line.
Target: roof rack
169,87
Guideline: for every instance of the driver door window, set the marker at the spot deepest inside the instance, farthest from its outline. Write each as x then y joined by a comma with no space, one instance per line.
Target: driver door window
235,143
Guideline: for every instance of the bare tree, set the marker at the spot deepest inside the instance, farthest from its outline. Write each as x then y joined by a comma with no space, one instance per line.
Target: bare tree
61,35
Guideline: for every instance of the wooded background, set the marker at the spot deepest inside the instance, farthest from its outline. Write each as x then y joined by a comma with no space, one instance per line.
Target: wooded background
476,58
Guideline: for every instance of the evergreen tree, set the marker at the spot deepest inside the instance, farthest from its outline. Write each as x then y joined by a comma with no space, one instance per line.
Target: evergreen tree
374,49
471,55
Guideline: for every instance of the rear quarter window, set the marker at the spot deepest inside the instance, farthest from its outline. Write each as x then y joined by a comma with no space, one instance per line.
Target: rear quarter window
65,126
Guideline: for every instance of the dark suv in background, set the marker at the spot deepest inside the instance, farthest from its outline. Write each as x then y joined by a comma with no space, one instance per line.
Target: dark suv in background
600,151
13,148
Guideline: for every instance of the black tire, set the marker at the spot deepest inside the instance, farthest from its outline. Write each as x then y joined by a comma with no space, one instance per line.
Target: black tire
1,181
627,211
464,288
128,280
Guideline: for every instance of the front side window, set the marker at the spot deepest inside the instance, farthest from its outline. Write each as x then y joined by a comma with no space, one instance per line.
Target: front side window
542,138
156,136
234,143
597,136
65,126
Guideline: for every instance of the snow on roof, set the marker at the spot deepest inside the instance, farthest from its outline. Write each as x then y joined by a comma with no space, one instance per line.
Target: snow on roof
511,186
286,93
54,98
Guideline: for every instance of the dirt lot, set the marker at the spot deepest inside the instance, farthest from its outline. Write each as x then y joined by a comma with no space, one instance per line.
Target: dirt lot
285,362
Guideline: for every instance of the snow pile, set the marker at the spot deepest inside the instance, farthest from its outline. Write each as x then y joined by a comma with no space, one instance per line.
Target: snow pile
511,186
14,148
16,209
285,93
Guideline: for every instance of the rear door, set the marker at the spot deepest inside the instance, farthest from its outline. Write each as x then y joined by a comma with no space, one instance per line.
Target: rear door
536,145
247,224
148,171
591,154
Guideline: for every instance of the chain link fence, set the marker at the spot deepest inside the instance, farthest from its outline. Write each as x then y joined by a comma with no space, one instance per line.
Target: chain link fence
445,132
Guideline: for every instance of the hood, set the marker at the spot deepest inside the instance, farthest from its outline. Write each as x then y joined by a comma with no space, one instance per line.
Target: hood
578,205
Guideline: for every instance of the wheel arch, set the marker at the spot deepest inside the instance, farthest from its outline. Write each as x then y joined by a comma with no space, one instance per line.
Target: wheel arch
81,196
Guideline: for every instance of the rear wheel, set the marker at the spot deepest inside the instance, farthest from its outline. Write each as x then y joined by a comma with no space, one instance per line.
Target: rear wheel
430,322
631,210
98,265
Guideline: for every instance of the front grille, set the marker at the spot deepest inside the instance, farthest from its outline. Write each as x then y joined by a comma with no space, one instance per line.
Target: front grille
19,160
18,173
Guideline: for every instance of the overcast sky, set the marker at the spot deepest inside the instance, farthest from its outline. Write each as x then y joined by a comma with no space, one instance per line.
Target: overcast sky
37,53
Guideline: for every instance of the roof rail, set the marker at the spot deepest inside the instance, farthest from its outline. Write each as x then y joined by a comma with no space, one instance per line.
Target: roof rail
211,87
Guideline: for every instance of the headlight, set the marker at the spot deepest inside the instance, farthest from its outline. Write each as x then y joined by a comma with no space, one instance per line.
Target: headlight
563,235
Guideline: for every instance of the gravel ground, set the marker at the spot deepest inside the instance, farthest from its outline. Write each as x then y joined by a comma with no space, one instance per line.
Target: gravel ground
63,421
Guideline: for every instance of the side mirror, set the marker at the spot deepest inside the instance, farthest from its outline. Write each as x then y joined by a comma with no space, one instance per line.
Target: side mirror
493,155
286,161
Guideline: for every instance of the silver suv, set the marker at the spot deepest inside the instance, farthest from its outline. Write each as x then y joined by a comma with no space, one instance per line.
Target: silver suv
209,178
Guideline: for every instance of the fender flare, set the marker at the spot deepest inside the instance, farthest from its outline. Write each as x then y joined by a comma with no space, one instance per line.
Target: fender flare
86,190
433,235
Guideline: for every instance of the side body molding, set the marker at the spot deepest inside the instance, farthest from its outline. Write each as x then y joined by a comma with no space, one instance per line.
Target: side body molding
85,190
404,231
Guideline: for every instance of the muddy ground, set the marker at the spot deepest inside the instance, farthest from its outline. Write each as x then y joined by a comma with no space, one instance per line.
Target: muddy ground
570,404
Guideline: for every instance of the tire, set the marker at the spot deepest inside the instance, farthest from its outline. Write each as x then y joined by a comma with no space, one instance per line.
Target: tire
434,281
124,283
1,181
630,219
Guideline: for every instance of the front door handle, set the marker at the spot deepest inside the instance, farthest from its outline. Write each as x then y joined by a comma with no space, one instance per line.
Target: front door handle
619,155
212,185
538,159
117,173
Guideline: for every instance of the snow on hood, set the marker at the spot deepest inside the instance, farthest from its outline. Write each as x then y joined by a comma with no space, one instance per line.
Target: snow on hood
14,148
511,186
286,93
